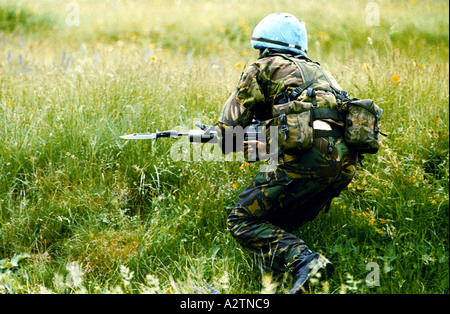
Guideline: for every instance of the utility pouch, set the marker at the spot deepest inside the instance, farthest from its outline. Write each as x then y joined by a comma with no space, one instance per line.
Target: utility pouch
295,131
361,125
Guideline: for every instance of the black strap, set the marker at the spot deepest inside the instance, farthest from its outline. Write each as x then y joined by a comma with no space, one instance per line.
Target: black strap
311,92
284,125
337,132
327,113
281,98
279,43
298,90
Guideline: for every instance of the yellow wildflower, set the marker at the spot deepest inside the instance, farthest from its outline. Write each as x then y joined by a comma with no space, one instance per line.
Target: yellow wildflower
395,78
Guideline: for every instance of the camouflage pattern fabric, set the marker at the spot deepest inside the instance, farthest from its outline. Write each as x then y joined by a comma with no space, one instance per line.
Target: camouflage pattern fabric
278,202
258,87
362,129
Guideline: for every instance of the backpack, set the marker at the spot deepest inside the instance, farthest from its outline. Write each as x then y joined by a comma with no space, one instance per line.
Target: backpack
320,97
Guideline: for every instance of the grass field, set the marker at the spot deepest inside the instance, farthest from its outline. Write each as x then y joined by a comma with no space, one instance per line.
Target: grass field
82,210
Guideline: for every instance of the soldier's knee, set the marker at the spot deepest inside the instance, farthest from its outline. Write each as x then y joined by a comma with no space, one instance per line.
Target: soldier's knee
232,221
236,221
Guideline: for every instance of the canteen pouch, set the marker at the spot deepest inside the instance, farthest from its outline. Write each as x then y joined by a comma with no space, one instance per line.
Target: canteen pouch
361,125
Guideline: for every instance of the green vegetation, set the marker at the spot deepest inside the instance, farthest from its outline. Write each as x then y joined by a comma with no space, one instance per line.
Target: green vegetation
82,210
20,19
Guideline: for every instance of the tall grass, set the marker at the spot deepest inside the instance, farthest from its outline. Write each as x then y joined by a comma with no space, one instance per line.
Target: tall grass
90,212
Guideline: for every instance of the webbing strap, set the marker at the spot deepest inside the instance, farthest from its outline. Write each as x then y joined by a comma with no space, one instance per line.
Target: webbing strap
279,43
338,132
327,113
311,92
298,90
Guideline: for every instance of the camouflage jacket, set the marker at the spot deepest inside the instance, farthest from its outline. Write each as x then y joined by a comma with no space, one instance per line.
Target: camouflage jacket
257,89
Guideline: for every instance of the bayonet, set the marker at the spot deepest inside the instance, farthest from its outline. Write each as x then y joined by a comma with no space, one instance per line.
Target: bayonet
204,135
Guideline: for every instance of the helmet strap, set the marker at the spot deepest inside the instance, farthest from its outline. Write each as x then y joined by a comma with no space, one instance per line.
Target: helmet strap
279,43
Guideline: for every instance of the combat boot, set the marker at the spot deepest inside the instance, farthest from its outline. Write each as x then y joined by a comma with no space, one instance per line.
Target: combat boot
307,266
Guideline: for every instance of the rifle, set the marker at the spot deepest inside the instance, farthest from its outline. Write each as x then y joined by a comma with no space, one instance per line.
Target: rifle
204,135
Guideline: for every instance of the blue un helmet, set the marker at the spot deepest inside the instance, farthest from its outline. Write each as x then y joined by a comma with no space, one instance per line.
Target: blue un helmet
282,31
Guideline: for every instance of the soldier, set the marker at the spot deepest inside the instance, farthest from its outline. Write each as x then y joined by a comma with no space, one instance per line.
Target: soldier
280,201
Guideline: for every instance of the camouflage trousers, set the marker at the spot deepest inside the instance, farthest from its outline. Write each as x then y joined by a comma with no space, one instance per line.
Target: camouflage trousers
279,202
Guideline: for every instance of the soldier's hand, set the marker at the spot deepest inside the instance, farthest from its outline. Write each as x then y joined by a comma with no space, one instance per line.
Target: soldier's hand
251,146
